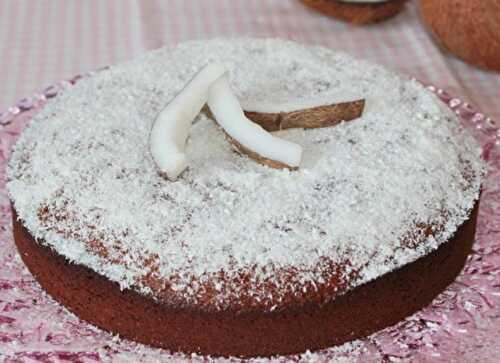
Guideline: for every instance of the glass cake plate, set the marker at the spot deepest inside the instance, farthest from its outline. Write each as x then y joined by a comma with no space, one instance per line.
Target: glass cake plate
461,325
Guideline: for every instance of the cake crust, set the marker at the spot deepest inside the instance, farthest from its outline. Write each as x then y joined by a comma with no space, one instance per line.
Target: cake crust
376,304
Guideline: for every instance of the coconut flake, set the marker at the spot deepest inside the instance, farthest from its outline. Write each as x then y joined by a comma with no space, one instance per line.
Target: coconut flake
171,128
251,138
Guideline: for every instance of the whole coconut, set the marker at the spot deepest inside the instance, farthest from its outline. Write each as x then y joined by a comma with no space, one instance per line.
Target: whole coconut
470,29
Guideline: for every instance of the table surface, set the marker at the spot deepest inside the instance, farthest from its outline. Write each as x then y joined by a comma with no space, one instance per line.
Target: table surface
48,40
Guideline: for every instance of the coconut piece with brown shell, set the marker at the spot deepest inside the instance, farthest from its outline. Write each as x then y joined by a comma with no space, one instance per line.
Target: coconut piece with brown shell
246,136
309,118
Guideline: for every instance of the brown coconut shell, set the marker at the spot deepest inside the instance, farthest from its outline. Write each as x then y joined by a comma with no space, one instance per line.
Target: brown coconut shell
357,13
256,156
311,118
470,29
242,150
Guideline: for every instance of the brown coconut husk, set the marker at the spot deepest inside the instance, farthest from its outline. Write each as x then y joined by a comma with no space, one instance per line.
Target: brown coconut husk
470,29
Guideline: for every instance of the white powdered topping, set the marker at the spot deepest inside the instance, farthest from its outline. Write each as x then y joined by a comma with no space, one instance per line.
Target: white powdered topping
82,178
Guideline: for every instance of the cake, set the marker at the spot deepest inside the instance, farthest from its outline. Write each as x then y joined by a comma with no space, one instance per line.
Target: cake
357,11
235,258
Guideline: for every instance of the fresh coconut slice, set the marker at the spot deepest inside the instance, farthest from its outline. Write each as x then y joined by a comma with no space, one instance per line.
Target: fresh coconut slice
308,118
248,137
308,114
171,128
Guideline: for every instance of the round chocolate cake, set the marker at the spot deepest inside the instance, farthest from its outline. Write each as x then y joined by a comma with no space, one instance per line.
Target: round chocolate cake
235,258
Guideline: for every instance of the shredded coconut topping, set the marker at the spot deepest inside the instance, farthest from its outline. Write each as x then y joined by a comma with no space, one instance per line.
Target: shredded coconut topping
230,232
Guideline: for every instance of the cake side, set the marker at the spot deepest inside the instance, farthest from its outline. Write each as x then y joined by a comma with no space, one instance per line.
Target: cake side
375,305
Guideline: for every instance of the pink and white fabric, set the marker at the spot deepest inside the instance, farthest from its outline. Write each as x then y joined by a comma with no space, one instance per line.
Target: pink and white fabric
45,41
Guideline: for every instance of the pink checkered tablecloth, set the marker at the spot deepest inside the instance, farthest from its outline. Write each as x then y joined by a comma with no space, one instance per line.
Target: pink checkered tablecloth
45,41
48,40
